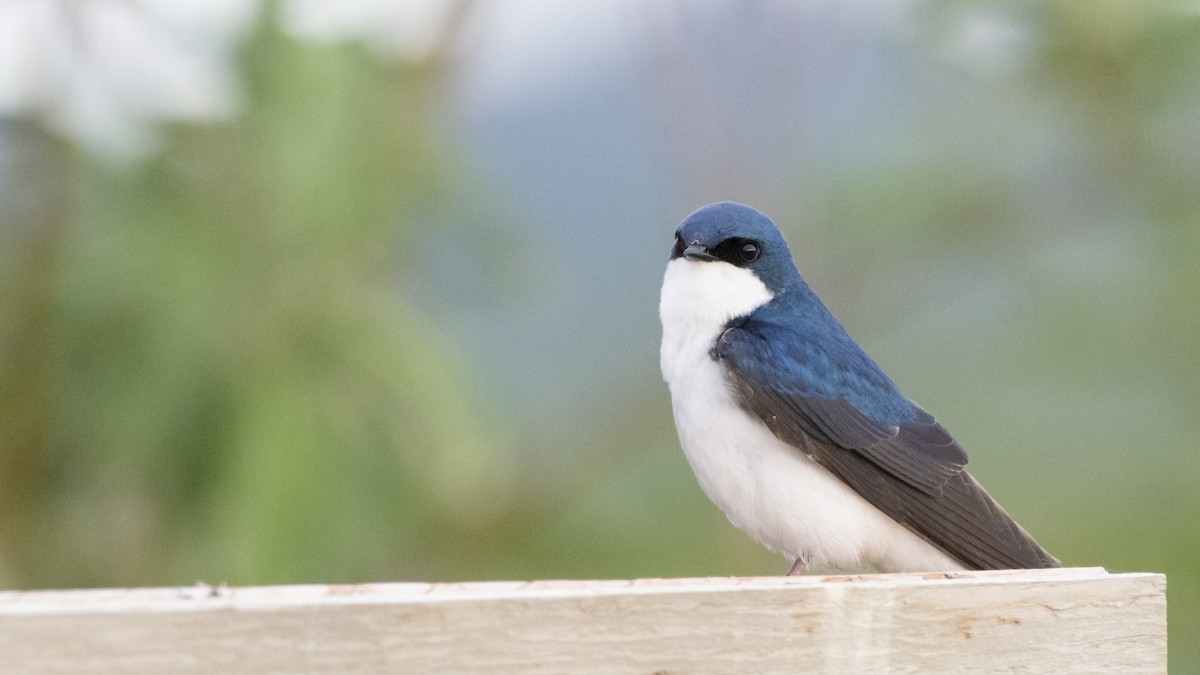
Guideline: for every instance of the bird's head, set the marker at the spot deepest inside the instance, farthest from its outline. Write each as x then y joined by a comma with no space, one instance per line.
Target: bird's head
728,233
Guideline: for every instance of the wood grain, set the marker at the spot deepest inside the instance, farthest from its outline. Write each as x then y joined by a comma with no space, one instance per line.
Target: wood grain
1075,620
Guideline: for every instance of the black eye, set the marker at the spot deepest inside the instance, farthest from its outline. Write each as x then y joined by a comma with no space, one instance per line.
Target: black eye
677,249
749,252
738,251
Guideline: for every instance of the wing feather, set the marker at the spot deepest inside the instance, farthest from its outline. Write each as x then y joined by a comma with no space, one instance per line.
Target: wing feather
911,469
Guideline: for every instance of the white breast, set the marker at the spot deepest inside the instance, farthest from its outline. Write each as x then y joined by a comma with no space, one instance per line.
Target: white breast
766,487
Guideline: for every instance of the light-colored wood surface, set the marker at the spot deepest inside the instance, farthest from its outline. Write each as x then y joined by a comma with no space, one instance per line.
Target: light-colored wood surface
1080,620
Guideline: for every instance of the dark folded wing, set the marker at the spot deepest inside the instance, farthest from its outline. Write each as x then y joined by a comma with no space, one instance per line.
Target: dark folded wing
963,520
912,470
920,452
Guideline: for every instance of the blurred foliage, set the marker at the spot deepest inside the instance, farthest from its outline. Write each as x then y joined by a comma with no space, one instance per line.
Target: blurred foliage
212,371
234,361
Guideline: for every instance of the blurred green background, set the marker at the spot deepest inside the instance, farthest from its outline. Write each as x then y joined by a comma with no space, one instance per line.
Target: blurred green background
333,292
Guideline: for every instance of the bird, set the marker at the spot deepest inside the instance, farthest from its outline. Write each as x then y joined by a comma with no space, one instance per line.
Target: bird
796,434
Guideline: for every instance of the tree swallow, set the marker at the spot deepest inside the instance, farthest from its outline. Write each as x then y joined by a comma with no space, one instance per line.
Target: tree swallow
796,434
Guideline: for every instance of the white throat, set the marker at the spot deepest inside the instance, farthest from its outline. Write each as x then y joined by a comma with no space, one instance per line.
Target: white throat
698,299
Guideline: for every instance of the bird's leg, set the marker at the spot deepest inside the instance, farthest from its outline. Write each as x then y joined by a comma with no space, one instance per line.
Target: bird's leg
797,567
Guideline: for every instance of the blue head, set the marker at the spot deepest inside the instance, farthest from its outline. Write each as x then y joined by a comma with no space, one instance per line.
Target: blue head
741,236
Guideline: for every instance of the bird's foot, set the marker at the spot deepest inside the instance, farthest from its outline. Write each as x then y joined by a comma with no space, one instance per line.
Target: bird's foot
797,568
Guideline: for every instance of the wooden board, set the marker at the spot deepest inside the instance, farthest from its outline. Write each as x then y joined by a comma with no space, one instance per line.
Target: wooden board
1080,620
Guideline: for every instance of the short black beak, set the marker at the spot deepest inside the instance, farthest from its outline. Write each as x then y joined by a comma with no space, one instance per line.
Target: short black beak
697,251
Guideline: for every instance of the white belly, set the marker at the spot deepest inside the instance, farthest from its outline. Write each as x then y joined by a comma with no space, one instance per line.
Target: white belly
766,487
